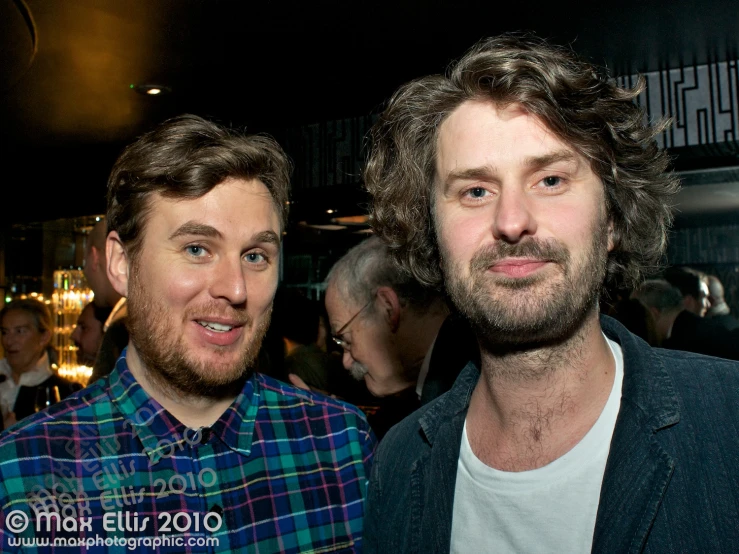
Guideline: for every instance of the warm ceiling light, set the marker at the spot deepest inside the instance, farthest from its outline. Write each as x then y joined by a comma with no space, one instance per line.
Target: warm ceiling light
330,211
352,220
151,90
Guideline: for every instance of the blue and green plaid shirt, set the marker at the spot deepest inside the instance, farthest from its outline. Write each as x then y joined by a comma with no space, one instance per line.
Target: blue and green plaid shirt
282,470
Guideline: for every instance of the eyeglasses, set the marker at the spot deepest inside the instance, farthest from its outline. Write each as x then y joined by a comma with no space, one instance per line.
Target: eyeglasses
338,340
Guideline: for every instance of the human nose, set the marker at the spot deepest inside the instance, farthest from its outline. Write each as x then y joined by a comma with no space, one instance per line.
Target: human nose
229,282
513,216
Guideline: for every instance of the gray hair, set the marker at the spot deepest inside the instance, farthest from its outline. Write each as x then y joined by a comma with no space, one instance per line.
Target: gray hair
659,294
367,267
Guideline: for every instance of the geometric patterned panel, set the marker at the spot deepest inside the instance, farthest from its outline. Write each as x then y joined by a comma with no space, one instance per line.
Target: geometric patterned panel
702,100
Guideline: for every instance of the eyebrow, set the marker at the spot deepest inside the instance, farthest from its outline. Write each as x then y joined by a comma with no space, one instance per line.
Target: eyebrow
537,162
200,229
194,228
487,173
267,236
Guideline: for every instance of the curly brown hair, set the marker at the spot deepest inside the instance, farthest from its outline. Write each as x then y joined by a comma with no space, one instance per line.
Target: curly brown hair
581,106
186,157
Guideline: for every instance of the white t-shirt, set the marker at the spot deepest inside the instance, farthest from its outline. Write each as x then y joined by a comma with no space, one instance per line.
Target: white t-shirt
551,509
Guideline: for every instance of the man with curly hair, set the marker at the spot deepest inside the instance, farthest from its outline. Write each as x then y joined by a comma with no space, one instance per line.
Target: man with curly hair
521,183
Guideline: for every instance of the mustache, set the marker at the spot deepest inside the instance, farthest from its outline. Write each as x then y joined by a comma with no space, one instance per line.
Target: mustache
358,371
548,250
240,317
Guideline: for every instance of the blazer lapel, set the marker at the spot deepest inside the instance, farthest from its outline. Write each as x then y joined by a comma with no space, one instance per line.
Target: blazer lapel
636,479
434,475
638,470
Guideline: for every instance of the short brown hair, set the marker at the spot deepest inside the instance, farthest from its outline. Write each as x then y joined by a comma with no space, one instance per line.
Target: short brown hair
39,311
186,157
579,105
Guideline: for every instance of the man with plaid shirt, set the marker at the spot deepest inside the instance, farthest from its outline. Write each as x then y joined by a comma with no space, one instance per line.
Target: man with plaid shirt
183,447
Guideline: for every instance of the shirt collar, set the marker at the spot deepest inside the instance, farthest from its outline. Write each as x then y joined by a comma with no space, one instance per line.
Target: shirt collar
40,369
236,426
38,374
152,423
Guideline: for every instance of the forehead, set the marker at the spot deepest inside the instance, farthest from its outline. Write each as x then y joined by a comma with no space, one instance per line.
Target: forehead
704,288
339,308
236,208
479,133
18,318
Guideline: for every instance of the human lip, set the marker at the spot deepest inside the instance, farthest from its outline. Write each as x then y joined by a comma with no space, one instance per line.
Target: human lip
517,267
218,330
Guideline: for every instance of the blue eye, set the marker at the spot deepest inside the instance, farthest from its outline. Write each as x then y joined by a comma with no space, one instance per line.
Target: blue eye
551,181
255,257
195,250
477,192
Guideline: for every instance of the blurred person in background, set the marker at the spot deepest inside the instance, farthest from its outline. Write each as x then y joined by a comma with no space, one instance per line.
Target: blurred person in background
664,303
637,318
95,267
304,358
719,311
115,333
691,331
26,329
386,323
692,286
88,333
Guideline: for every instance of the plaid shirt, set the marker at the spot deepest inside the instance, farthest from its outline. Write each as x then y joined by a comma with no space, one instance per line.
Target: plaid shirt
285,471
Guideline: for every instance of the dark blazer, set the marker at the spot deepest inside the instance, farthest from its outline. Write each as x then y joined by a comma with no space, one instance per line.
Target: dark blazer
25,402
671,482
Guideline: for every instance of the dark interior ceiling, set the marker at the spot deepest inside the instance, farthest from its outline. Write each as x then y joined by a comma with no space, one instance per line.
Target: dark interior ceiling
67,107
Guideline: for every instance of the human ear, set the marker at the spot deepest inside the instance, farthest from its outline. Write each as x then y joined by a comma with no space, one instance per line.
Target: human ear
389,307
118,263
95,259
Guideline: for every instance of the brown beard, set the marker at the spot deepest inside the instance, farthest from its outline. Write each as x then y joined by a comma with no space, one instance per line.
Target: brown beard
529,312
163,355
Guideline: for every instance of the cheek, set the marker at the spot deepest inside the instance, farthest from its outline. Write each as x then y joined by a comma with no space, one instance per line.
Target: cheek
571,222
460,233
176,287
261,289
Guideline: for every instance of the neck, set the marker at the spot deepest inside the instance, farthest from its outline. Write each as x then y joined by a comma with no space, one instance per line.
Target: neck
17,372
194,412
531,407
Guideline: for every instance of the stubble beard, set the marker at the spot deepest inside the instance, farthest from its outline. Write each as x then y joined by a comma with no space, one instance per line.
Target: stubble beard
164,353
513,315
